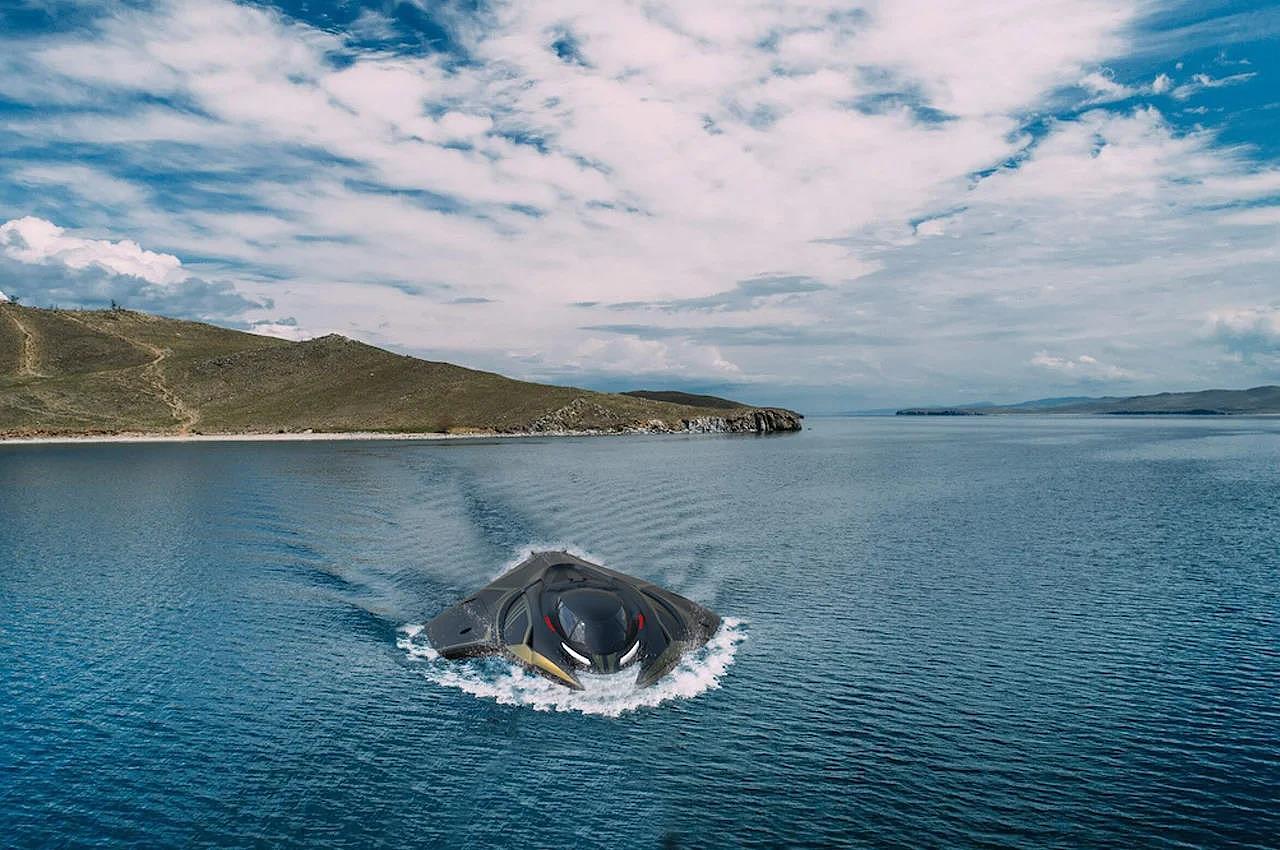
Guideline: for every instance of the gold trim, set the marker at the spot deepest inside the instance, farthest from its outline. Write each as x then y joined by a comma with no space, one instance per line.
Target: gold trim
528,656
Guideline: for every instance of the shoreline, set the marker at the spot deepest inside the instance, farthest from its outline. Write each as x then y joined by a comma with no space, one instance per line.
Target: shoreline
327,436
292,437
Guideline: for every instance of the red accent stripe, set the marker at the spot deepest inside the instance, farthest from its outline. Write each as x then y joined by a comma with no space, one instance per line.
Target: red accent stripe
639,621
546,618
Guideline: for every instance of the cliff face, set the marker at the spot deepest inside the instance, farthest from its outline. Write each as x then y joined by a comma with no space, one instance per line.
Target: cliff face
759,420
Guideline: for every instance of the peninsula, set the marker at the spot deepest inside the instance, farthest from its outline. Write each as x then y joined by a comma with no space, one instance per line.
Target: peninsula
97,373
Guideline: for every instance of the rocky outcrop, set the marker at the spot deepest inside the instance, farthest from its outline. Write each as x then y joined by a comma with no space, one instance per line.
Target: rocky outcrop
581,414
750,420
585,416
754,420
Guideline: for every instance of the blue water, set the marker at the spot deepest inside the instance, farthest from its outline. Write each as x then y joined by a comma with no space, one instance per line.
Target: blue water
1022,632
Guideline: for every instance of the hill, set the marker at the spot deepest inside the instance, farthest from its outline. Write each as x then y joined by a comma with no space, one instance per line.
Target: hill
1257,400
688,399
65,372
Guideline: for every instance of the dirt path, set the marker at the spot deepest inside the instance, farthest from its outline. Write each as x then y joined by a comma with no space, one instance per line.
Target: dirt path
29,364
185,417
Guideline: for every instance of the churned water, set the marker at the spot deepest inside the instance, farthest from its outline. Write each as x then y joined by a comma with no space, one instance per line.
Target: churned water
997,632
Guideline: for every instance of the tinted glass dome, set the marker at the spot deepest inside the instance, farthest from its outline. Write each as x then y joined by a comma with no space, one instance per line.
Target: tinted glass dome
594,620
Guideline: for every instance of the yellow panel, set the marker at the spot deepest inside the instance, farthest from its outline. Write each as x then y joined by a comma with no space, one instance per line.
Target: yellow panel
528,656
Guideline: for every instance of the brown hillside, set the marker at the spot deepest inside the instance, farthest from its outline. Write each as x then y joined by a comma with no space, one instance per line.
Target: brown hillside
116,371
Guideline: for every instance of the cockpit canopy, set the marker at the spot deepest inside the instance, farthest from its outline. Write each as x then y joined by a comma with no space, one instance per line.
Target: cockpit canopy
593,620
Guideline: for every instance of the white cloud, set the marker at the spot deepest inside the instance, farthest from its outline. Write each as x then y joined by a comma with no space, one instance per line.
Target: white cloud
636,356
1247,331
694,147
994,58
932,226
1268,216
282,330
1104,88
1200,82
91,184
3,298
657,76
1083,367
37,241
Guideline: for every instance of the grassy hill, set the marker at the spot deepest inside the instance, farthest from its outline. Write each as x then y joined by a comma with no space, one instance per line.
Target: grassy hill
1202,403
66,372
689,399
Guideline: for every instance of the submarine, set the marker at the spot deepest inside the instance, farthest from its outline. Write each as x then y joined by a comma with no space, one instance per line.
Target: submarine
559,615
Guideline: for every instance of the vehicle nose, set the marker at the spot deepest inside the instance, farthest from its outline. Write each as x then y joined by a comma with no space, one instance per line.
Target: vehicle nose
605,663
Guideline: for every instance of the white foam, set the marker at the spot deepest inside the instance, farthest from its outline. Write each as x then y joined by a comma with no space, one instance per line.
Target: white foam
509,684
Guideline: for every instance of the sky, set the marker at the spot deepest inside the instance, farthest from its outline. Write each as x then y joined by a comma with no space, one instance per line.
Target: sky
832,206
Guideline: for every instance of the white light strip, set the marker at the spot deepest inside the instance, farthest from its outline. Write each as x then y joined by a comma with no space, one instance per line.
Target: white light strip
631,653
582,658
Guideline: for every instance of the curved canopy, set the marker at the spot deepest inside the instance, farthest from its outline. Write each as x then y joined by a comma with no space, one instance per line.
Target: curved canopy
593,620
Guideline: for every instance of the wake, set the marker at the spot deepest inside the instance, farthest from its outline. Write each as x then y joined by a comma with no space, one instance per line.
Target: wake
609,696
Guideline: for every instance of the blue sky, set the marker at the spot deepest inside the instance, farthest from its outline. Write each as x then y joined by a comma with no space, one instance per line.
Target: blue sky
837,206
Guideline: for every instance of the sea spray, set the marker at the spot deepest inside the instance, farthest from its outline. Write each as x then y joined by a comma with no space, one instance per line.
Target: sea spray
610,696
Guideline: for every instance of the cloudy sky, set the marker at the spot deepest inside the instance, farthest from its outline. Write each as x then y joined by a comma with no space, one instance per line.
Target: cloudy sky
837,206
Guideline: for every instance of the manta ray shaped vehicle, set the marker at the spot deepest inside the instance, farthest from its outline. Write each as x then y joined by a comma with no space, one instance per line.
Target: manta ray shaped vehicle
560,615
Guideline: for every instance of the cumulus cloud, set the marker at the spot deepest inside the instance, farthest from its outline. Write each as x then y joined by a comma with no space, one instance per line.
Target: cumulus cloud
1247,331
93,287
49,266
37,241
878,191
681,137
1104,87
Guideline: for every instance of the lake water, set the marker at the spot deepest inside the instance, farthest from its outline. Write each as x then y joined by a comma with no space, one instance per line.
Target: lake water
1004,632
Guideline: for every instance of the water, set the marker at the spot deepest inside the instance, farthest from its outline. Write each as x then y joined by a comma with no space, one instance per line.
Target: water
962,633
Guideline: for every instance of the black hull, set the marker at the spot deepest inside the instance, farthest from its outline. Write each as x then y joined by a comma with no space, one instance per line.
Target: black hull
526,616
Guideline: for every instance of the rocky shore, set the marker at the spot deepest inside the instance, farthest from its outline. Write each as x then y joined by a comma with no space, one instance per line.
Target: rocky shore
582,415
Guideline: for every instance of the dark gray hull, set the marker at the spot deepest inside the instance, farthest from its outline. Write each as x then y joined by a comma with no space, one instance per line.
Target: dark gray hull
559,615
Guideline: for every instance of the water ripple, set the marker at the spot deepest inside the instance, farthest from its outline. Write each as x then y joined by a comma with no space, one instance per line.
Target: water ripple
997,633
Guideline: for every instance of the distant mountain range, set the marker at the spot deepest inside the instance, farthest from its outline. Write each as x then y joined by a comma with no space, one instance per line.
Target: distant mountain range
1202,403
70,372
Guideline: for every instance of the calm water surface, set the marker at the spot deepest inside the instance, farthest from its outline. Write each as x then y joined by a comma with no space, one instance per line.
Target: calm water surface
1027,632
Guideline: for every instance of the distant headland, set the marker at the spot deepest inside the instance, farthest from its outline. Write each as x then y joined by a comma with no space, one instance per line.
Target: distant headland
104,373
1255,401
